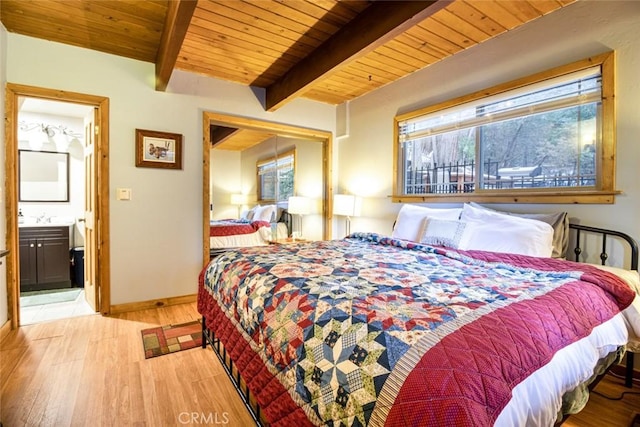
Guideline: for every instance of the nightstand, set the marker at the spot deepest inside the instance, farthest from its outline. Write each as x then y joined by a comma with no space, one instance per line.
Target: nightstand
287,241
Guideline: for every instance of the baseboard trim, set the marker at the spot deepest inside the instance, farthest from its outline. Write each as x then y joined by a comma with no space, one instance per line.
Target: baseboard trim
145,305
5,329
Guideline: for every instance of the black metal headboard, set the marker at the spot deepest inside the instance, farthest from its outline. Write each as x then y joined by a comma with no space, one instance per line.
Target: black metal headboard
604,233
628,381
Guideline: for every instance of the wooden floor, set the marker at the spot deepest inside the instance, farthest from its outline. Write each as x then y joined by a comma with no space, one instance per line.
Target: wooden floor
602,412
91,371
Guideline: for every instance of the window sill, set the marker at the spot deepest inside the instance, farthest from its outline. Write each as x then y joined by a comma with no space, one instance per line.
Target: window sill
528,197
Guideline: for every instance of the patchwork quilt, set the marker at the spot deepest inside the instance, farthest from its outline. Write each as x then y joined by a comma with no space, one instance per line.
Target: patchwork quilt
370,330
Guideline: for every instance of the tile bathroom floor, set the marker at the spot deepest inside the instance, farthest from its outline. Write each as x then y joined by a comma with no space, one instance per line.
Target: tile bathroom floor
54,311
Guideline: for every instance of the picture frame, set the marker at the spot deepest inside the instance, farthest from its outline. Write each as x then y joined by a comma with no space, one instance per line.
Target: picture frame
156,149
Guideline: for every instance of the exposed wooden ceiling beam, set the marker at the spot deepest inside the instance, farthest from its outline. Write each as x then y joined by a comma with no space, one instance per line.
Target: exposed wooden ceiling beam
379,23
176,25
218,134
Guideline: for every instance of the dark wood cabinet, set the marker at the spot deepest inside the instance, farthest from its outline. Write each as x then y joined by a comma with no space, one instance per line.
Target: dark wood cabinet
44,258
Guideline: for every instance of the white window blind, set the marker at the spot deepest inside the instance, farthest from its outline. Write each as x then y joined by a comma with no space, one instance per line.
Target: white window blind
580,87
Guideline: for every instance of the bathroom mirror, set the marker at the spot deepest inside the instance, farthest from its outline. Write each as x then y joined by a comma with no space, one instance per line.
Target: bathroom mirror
43,176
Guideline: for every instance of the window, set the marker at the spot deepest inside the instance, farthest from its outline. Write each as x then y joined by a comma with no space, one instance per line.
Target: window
276,177
546,138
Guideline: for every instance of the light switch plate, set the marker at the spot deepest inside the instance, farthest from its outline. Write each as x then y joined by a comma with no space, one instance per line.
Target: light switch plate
123,194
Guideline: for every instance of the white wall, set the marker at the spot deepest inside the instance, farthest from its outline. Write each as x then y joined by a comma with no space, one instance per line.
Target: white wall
248,160
156,237
225,179
4,316
577,31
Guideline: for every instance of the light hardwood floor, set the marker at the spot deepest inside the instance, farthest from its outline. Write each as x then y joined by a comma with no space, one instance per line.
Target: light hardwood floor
91,371
602,412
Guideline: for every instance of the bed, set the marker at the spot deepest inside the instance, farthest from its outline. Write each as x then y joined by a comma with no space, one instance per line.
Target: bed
383,330
253,228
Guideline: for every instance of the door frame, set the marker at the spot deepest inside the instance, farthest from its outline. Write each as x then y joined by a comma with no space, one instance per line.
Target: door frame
102,251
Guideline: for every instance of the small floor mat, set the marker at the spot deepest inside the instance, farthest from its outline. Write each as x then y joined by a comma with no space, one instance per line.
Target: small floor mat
167,339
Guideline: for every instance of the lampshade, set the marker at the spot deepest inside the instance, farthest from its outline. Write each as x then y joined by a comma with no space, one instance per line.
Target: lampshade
346,205
299,205
238,199
62,142
36,140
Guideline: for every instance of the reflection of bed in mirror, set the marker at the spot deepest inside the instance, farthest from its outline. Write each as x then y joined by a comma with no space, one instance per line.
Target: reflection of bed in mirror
235,149
253,228
264,174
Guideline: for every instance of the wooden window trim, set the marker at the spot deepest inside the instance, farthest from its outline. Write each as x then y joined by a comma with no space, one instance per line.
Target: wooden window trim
606,166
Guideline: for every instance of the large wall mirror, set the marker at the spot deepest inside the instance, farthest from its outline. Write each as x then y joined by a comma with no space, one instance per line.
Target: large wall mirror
235,147
43,176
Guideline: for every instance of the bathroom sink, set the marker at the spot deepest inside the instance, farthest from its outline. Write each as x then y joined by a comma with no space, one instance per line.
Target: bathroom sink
54,222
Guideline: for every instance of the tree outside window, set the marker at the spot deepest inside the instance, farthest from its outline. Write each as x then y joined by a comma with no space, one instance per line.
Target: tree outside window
545,137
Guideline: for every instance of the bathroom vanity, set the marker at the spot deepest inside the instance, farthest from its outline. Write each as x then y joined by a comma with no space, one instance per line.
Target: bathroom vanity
44,257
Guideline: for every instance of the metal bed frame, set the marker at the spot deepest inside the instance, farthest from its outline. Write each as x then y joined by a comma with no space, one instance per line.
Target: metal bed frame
209,338
633,246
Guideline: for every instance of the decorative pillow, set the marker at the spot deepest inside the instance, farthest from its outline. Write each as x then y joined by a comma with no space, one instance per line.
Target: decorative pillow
265,213
247,214
559,221
410,220
443,232
498,232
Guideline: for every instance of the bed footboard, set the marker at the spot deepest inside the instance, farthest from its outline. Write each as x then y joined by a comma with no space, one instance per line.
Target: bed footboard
633,248
580,229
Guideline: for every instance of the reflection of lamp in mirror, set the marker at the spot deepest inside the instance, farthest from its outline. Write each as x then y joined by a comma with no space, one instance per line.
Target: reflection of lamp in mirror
238,200
299,206
346,205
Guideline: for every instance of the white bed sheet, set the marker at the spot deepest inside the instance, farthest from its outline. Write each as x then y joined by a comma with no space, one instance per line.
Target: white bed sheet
260,237
632,278
537,400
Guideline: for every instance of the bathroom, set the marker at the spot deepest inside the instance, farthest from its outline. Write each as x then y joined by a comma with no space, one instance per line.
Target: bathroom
51,192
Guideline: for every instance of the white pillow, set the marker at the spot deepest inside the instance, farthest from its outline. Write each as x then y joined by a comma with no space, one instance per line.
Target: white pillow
444,232
265,213
410,220
559,221
248,215
497,232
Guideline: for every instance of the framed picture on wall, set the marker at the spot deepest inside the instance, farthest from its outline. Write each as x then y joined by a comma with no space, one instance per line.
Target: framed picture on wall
156,149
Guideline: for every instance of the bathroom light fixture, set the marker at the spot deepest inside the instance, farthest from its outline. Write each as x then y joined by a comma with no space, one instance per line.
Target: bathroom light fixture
37,134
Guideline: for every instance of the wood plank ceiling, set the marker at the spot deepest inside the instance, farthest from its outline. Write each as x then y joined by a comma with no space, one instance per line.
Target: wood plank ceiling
325,50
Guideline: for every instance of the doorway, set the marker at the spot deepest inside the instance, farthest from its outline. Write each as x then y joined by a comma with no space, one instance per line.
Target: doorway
88,219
